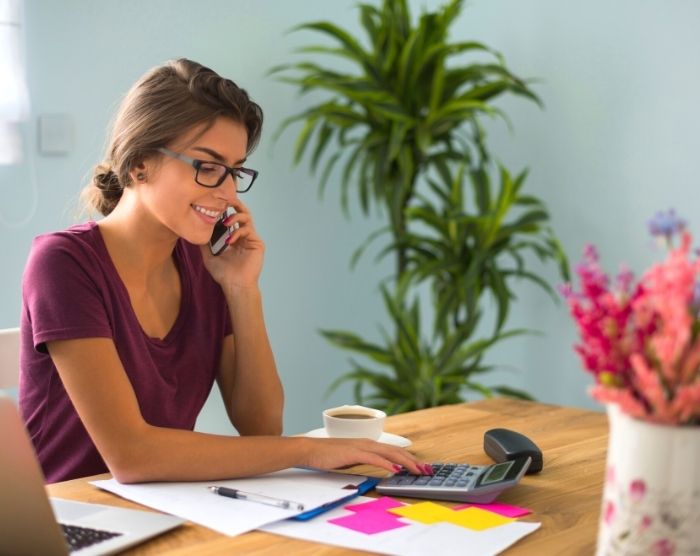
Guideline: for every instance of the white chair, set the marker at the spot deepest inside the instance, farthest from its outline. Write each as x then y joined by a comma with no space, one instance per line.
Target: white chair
9,358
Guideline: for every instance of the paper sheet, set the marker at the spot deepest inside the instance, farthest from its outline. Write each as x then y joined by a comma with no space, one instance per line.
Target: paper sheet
193,500
417,539
424,512
369,522
506,510
383,503
430,512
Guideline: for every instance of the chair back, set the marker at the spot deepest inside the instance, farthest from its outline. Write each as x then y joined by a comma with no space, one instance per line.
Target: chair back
9,358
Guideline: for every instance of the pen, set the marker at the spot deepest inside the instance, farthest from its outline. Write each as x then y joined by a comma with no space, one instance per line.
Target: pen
252,497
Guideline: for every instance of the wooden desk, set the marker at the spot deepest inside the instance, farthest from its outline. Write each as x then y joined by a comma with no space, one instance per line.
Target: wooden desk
565,496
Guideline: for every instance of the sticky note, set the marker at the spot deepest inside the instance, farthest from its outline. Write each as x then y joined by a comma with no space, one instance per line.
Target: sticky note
503,509
424,512
369,522
477,519
383,503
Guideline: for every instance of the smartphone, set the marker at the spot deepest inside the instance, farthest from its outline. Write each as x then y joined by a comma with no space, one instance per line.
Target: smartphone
217,242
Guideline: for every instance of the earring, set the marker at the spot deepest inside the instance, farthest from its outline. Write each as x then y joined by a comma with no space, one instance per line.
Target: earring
140,176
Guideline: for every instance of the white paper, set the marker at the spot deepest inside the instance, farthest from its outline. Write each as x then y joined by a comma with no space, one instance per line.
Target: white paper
193,500
417,539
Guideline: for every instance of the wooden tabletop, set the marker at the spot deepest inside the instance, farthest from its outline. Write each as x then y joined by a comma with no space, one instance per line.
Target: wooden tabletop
564,497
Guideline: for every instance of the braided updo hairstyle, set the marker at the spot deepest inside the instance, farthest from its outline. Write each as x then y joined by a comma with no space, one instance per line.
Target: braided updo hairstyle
165,103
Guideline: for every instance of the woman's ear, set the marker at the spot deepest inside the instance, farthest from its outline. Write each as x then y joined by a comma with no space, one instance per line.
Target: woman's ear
138,172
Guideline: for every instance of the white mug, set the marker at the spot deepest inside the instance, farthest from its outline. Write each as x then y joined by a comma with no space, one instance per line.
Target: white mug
354,421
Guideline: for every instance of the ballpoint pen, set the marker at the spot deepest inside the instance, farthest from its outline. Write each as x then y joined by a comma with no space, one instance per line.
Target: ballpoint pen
252,497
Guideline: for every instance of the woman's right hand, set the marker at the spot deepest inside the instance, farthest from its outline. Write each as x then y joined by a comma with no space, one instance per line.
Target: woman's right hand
336,453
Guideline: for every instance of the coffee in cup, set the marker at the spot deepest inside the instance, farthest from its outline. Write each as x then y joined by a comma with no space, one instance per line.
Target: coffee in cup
354,421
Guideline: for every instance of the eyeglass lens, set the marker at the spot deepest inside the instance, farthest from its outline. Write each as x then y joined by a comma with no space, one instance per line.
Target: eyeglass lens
212,174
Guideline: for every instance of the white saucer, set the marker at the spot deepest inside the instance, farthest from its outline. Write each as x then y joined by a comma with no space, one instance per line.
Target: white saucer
385,438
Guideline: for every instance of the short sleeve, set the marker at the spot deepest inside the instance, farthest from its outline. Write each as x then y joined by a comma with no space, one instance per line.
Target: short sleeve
61,292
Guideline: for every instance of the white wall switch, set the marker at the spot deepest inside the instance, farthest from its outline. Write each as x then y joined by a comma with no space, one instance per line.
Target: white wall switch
55,134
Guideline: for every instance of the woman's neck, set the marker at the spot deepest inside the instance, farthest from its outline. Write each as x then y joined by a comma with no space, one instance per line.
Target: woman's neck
139,245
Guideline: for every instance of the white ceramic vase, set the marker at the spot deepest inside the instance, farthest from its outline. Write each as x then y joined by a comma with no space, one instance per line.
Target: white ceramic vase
651,500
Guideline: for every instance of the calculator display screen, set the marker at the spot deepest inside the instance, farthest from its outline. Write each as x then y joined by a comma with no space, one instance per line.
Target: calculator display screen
496,473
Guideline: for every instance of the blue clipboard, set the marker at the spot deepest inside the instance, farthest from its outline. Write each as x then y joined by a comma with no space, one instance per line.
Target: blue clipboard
364,487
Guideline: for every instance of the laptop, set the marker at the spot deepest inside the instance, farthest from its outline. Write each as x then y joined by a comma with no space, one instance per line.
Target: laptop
31,523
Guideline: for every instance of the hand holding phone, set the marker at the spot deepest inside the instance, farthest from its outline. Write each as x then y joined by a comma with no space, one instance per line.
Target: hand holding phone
221,233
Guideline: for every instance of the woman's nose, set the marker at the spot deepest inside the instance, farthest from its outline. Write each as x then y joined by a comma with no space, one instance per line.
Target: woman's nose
227,190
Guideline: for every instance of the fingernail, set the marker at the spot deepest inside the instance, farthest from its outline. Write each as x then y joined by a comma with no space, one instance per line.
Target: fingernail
396,467
428,469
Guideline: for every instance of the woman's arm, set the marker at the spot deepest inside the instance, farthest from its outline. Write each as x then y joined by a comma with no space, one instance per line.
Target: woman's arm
247,375
248,379
135,451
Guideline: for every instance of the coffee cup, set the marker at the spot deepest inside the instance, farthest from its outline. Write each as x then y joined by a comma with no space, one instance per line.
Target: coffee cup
354,421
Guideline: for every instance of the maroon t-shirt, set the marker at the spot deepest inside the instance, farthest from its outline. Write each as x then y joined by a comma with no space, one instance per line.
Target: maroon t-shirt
70,290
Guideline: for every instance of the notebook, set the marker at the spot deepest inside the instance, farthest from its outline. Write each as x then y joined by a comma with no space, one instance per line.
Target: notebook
31,523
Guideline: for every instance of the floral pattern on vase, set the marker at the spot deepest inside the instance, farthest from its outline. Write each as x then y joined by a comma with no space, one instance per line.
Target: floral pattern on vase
651,500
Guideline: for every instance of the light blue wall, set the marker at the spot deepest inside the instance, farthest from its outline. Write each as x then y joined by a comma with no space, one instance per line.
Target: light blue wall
616,141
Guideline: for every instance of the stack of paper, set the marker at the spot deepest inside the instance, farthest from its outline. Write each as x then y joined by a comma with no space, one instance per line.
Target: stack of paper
416,529
383,525
194,501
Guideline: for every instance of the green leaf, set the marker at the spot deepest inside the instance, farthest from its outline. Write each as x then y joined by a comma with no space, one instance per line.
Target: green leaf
483,390
344,38
330,163
361,249
303,139
512,392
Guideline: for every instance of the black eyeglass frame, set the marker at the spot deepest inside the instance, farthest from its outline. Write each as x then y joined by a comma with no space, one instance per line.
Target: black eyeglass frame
197,164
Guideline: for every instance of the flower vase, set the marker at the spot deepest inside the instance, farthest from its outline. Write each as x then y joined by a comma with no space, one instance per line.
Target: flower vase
651,499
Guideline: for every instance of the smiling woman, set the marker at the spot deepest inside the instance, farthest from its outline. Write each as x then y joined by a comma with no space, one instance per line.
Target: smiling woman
128,322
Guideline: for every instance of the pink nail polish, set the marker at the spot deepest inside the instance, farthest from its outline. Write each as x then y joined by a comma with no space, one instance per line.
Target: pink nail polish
396,467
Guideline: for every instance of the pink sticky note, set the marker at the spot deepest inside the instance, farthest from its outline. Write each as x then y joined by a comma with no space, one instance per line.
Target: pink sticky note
369,522
383,503
502,509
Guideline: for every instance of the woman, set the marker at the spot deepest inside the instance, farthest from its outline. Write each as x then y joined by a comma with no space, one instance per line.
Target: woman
127,322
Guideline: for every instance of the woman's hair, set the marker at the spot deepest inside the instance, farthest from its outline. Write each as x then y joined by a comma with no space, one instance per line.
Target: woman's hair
165,103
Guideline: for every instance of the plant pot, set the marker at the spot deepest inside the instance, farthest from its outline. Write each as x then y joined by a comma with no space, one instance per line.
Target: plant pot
651,499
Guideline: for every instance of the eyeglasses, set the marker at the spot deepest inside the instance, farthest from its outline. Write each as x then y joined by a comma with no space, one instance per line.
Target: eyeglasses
213,174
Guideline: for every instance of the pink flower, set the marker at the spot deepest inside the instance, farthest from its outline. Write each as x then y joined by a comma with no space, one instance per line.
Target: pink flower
663,547
610,474
641,341
609,513
638,489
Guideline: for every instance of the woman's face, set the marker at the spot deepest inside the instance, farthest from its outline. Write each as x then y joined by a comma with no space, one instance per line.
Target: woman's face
170,192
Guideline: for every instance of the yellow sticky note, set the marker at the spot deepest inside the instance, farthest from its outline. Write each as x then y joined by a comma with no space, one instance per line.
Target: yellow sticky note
477,519
425,512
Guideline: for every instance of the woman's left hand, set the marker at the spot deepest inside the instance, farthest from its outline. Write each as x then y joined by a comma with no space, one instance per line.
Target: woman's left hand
241,262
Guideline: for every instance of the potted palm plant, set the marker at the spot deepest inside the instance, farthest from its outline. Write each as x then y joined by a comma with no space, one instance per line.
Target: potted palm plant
403,130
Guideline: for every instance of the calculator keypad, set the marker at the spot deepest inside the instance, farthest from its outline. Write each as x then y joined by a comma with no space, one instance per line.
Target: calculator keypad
445,475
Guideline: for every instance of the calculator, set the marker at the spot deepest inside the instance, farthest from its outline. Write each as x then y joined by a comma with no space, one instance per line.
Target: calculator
458,482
